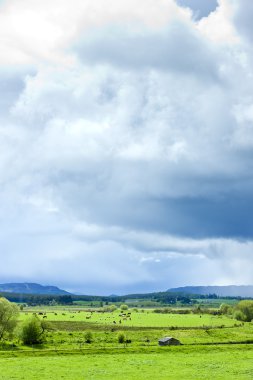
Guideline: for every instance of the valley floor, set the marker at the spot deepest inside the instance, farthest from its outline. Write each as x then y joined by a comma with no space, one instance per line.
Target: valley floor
213,348
195,362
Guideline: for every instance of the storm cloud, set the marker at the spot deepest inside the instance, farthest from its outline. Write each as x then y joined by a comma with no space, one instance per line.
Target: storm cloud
126,144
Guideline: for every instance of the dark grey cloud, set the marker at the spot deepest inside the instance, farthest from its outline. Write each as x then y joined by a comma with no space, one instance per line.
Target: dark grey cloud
224,213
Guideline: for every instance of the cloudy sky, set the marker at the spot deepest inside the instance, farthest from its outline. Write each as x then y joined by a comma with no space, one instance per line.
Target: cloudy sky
126,143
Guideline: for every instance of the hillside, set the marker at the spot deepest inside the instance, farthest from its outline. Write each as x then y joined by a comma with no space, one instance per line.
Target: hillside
222,291
31,288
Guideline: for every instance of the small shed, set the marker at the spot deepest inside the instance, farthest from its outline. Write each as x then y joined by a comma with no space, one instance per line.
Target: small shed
169,341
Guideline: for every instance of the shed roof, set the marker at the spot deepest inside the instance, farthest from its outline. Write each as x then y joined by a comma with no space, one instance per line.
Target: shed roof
166,339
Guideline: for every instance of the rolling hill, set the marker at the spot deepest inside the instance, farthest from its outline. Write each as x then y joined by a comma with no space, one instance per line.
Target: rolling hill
31,288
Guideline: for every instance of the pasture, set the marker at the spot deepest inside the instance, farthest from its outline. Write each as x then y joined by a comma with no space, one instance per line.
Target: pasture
145,318
194,363
213,347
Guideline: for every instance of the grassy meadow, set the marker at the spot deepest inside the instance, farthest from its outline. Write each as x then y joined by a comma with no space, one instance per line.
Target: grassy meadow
197,363
213,346
142,318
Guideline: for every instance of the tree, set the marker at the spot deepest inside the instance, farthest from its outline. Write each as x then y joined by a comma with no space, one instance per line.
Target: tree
197,309
112,308
33,331
225,309
244,311
65,300
239,316
8,318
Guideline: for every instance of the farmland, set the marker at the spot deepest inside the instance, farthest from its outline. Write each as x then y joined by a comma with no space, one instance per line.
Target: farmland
147,318
213,346
182,362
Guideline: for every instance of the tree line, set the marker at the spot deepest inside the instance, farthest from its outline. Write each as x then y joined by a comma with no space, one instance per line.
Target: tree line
160,297
38,299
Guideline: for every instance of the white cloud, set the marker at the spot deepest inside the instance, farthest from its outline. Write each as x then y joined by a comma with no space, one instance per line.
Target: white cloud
126,146
36,32
219,26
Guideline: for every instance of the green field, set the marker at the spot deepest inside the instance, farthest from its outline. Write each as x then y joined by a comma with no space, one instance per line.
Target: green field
138,319
196,363
213,347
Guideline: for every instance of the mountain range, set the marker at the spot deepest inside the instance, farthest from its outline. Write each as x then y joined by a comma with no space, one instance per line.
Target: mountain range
221,291
31,288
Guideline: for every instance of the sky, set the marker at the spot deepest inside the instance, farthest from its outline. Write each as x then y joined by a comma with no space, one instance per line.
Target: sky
126,143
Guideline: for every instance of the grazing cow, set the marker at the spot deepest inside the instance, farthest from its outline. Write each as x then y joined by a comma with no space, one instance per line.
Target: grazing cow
44,316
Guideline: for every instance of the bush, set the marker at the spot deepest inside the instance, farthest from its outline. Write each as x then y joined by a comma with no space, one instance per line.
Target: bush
246,309
110,308
88,337
225,309
124,307
240,316
121,338
33,331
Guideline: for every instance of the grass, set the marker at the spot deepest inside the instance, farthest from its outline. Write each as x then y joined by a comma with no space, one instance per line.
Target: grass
211,347
138,319
163,363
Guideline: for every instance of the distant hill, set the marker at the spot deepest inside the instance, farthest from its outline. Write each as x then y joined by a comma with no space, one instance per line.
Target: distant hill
222,291
31,288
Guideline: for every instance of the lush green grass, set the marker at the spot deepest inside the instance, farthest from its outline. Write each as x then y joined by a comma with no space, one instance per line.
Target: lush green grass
210,350
144,329
195,362
139,338
138,319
